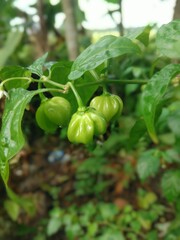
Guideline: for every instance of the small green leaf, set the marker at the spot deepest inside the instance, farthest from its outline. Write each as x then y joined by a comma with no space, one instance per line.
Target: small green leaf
108,211
107,47
168,40
26,203
92,229
148,164
15,72
111,234
54,225
142,34
170,184
174,121
37,66
147,200
152,96
171,155
137,131
12,209
152,235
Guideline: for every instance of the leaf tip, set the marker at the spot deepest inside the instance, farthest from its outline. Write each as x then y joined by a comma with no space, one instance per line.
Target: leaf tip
154,138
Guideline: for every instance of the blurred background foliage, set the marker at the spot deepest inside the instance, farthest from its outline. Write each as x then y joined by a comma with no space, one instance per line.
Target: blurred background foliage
125,188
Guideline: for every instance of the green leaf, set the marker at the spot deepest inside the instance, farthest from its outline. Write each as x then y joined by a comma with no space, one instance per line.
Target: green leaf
37,66
152,235
13,39
171,155
152,96
73,231
17,73
108,211
107,47
111,234
26,203
11,136
12,209
137,131
54,225
170,184
148,164
142,34
173,122
92,229
168,40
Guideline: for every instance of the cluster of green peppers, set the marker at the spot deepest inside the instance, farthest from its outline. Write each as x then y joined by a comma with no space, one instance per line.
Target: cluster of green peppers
84,124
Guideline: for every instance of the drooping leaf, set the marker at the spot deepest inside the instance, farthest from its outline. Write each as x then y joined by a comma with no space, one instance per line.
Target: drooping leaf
107,47
37,66
170,184
168,40
148,164
11,136
152,96
16,73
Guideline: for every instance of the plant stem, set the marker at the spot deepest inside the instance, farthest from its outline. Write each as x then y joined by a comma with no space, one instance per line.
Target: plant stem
105,91
76,94
48,90
137,81
45,79
29,79
41,95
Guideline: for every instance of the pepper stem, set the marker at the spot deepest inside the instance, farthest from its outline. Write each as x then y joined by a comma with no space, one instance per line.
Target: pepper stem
76,94
105,91
41,95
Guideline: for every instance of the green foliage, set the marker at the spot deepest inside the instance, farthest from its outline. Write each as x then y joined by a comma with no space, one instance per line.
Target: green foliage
141,34
19,77
37,66
102,221
167,40
12,208
107,47
156,87
170,185
148,164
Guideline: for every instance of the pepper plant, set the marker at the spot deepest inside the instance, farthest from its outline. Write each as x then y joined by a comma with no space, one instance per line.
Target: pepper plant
66,92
